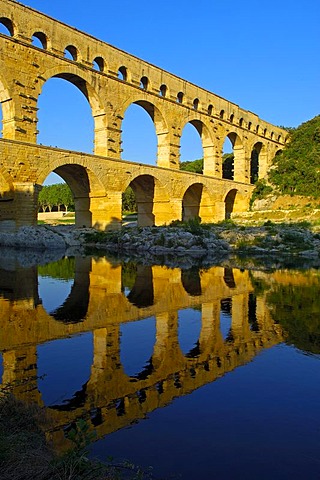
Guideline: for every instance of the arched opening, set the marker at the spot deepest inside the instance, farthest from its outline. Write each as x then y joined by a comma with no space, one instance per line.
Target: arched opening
233,157
279,138
180,97
221,115
249,126
137,284
191,281
144,82
143,188
189,329
231,118
71,53
258,129
83,184
63,373
122,73
226,319
241,122
191,150
98,64
227,160
137,340
228,277
6,26
254,162
191,202
64,113
229,203
265,132
210,109
195,104
139,138
163,91
56,202
39,40
62,295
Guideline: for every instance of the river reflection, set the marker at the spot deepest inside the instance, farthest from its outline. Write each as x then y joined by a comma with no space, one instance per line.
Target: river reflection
111,343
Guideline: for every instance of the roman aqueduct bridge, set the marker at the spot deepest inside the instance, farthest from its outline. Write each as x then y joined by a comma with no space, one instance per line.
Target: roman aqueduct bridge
112,80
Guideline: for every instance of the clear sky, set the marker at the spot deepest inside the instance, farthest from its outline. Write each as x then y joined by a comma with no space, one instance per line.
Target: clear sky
264,56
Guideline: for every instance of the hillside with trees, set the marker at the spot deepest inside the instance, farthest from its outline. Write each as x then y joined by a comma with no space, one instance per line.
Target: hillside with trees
296,170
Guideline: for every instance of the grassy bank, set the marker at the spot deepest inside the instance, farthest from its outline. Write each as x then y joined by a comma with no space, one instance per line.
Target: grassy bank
26,455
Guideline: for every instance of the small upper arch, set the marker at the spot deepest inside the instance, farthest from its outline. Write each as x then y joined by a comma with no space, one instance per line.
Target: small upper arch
144,83
221,115
39,39
8,24
180,97
71,52
241,122
123,73
196,103
163,90
98,64
210,109
231,118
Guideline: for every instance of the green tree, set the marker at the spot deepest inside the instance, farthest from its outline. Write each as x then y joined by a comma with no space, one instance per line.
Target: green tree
56,195
129,201
296,169
195,166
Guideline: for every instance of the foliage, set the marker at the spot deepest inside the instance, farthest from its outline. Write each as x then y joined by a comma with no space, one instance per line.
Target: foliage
296,168
297,309
63,269
228,165
129,203
195,166
262,189
56,196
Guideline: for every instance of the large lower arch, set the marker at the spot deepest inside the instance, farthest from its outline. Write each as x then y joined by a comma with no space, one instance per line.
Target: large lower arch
229,201
81,81
86,187
197,204
153,202
161,129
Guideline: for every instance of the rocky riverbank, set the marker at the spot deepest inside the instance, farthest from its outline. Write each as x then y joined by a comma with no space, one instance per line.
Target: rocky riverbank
179,244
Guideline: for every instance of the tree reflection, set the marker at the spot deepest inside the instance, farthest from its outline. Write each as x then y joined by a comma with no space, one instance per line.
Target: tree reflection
297,309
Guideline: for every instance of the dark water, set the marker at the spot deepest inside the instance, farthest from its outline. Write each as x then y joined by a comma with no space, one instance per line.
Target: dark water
200,374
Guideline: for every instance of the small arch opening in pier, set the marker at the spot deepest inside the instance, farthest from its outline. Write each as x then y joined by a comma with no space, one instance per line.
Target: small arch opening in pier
39,39
6,27
98,64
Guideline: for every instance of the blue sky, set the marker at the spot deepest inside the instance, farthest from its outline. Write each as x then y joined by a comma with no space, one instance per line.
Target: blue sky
264,56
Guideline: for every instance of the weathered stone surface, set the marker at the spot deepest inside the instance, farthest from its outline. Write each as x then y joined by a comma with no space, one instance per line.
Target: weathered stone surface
163,193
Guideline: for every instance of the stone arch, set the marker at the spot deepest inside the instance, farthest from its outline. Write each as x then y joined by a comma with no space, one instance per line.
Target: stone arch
258,162
42,37
160,124
123,73
144,189
229,201
84,184
82,81
206,141
238,156
98,64
197,204
7,22
72,51
153,202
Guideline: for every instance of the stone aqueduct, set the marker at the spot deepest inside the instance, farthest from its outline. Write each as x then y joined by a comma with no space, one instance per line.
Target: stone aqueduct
112,80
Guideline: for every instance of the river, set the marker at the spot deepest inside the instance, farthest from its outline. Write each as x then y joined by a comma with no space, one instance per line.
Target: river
199,373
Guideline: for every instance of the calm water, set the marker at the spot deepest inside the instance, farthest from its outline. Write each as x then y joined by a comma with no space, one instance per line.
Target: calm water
201,374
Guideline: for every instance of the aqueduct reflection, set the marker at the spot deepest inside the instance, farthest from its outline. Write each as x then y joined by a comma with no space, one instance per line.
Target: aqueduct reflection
232,325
